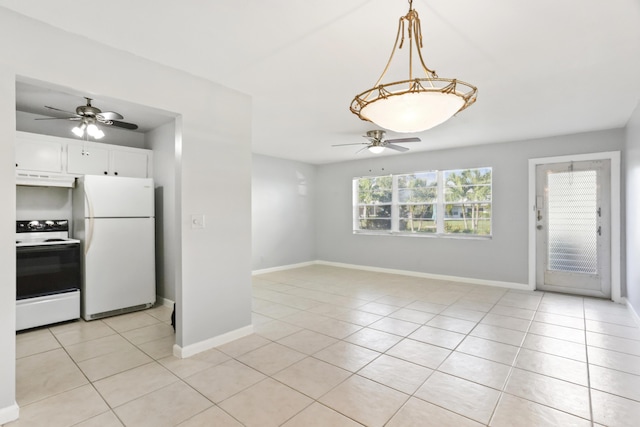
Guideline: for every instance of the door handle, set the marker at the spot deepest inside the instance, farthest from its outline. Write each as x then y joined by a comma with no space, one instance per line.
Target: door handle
539,227
539,215
599,230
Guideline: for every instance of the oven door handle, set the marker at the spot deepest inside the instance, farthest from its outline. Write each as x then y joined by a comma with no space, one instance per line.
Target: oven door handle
45,248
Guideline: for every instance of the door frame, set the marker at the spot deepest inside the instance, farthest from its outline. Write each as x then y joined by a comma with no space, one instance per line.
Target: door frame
616,262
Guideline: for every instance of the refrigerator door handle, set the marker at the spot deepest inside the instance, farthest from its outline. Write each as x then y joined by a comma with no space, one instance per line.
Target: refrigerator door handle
90,224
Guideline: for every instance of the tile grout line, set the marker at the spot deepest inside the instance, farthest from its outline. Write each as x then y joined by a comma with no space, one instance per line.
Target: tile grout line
586,355
368,326
444,360
512,366
527,332
313,399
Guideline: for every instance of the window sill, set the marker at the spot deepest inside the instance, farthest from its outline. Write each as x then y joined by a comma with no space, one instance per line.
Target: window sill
425,235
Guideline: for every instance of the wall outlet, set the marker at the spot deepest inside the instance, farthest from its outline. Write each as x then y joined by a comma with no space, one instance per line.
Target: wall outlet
197,221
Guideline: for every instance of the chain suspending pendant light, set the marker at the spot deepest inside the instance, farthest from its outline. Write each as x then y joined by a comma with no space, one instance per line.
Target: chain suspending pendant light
415,104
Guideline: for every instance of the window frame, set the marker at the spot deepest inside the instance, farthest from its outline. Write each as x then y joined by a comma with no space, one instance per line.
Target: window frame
439,206
399,203
357,205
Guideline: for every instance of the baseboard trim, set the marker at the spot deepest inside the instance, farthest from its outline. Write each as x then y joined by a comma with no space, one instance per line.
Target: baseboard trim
164,301
634,313
208,344
282,268
510,285
10,413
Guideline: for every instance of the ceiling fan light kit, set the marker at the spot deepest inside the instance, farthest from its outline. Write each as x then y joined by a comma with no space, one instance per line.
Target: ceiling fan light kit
79,130
93,131
415,104
377,143
90,127
376,149
89,117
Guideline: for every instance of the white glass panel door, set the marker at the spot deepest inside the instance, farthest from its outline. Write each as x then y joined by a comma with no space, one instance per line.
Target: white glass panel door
573,229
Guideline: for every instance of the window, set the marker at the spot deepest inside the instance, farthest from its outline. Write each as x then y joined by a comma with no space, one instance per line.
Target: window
467,195
451,202
374,203
417,198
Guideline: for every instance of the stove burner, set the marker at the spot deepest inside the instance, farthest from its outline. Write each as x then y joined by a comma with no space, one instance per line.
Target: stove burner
43,232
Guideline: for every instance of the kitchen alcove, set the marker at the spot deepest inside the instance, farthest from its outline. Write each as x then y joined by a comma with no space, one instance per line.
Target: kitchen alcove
121,152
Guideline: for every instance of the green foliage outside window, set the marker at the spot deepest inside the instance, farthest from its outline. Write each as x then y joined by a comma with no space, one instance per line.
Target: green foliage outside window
468,201
374,202
433,202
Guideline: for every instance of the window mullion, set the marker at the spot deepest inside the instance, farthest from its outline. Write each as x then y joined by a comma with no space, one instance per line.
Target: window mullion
395,209
440,204
356,207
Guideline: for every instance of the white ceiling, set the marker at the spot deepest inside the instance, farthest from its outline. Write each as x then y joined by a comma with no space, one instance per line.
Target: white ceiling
34,97
544,67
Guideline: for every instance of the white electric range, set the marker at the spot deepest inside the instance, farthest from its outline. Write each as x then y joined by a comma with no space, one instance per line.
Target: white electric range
48,273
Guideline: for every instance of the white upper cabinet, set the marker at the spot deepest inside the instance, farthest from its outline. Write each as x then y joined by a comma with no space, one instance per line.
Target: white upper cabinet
93,158
34,153
87,160
130,163
43,153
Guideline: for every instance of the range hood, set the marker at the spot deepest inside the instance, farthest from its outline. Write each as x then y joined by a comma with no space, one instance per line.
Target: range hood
34,179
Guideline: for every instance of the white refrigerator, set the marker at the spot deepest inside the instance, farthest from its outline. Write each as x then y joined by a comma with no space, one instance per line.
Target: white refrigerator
114,218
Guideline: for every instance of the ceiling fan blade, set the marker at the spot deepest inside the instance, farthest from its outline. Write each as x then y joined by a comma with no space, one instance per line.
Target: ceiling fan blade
123,125
59,118
57,109
396,147
354,143
362,149
403,140
109,115
371,139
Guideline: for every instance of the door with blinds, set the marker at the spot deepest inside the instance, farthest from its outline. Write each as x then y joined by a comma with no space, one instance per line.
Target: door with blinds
573,227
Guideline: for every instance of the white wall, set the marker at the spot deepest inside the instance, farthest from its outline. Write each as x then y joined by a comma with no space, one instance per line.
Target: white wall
502,258
632,171
213,161
162,141
43,203
283,216
8,407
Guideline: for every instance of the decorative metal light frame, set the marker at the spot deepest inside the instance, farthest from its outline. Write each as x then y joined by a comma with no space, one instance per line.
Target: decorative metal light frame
415,104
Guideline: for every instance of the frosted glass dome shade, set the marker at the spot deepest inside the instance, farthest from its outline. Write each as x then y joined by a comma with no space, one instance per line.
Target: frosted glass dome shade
413,111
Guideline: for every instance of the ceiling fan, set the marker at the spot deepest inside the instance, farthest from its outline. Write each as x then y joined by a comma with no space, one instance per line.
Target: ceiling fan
88,114
377,143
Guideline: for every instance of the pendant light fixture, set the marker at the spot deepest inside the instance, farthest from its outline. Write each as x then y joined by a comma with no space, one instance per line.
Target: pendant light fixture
418,103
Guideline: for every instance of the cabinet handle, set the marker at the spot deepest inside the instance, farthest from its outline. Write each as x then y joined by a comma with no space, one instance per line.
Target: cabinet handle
105,172
115,173
16,165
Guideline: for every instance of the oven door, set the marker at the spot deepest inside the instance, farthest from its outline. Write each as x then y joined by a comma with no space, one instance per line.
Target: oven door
47,270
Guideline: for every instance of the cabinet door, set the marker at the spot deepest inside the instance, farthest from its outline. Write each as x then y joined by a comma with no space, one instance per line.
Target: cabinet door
38,155
128,163
87,160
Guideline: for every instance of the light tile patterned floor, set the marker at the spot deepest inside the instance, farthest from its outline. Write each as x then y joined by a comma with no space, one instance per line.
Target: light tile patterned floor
338,347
